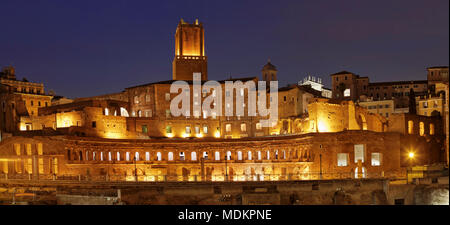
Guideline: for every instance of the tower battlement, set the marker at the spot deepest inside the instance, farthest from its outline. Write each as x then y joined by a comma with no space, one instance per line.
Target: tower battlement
190,54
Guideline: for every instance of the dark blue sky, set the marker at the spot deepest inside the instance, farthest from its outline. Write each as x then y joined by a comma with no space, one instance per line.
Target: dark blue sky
85,48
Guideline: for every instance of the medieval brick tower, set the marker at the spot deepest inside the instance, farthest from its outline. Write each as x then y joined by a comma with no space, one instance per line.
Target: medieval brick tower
189,51
269,73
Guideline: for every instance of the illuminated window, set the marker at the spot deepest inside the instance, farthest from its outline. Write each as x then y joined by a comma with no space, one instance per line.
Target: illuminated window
170,156
106,112
360,174
228,127
205,129
168,129
259,155
431,129
410,127
205,155
217,156
249,155
228,155
147,156
243,127
181,155
158,156
118,156
376,159
347,92
124,112
188,129
144,129
359,153
148,113
109,156
239,155
136,99
342,159
194,156
258,126
421,128
268,155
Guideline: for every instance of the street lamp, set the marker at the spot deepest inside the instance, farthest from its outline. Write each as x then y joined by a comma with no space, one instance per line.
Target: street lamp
411,156
135,169
226,167
320,162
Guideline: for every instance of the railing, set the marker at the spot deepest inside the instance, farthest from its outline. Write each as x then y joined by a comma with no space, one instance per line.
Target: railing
199,178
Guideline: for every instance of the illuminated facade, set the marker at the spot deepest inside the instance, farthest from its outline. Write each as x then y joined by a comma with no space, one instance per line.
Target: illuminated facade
133,133
19,99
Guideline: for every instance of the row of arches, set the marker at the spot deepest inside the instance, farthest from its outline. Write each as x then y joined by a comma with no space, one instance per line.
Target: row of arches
422,128
211,155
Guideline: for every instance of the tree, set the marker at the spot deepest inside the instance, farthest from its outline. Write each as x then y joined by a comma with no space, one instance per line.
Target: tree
412,102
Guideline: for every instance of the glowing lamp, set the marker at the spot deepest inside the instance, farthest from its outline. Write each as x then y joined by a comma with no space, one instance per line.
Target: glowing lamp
411,155
322,126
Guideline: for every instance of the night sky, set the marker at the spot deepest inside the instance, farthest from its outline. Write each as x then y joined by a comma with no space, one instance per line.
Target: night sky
86,48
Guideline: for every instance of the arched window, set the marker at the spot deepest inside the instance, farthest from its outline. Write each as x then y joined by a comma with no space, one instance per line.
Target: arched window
106,112
268,155
284,154
239,155
421,128
139,113
94,156
136,156
228,155
259,155
124,112
158,156
127,156
109,156
118,156
194,156
217,156
249,155
147,156
431,129
170,156
410,127
181,155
